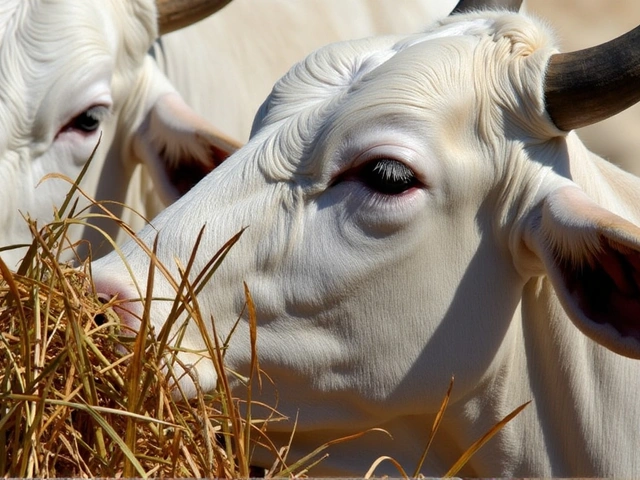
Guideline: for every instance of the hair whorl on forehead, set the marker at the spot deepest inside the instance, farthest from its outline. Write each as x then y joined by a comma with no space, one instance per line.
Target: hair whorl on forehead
308,94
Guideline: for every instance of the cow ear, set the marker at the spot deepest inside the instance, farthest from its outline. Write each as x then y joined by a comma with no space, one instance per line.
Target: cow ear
592,258
179,147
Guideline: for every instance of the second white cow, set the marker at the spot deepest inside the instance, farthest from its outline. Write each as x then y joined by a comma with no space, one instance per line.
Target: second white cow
72,73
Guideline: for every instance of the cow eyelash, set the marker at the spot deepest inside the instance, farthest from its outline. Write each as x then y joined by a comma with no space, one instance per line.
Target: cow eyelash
387,176
89,120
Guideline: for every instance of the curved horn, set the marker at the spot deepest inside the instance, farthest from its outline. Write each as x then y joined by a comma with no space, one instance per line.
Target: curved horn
177,14
589,85
468,5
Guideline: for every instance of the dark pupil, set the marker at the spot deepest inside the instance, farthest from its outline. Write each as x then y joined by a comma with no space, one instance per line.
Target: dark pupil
86,122
388,176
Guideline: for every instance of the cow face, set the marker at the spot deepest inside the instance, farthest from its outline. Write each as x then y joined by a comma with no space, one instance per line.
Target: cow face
73,74
394,194
376,215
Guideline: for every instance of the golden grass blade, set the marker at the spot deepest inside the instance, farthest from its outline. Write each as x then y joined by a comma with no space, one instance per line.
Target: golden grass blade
210,268
292,469
184,299
482,440
13,296
100,409
191,462
75,184
307,467
253,369
81,360
283,452
135,371
434,428
229,409
379,460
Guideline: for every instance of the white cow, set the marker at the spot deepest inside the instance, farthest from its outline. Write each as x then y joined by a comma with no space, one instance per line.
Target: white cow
414,212
75,72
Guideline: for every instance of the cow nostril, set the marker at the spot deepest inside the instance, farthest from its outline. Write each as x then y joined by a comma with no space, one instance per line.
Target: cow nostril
100,319
103,317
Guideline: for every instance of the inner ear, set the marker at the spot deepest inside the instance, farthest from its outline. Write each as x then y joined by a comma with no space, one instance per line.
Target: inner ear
186,167
606,287
592,258
179,147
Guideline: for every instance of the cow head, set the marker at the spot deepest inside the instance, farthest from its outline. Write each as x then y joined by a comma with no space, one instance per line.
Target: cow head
74,73
398,195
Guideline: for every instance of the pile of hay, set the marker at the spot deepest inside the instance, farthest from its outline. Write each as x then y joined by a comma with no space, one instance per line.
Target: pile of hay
79,400
74,404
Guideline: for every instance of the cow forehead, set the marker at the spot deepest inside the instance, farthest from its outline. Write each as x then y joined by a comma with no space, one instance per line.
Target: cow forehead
332,70
52,49
307,105
336,67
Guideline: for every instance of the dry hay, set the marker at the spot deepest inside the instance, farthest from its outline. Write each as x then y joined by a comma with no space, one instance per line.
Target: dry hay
76,399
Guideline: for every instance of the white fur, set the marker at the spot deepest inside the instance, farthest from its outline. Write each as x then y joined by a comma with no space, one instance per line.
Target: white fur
368,303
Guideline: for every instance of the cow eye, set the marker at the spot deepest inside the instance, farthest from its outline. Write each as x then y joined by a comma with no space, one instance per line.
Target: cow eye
388,176
89,120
